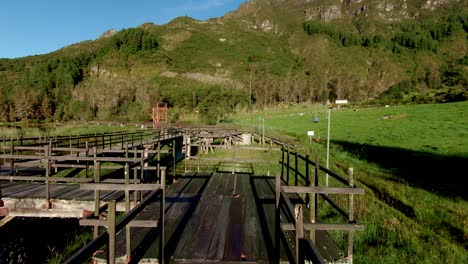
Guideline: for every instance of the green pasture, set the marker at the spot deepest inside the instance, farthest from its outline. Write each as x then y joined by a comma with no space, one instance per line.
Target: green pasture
410,159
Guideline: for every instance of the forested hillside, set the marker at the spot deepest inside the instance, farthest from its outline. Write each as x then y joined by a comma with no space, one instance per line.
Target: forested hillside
266,52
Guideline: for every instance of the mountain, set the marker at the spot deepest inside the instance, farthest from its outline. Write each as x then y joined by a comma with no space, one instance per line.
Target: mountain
266,52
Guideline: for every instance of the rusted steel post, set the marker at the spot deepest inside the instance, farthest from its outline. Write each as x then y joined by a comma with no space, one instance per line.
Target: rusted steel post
299,229
111,232
162,215
351,216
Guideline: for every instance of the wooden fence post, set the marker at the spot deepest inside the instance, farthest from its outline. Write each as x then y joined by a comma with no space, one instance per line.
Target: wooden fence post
351,216
97,195
127,192
287,166
299,229
233,159
162,215
127,208
87,154
47,174
12,161
314,198
277,218
270,156
282,161
173,160
199,155
111,232
296,180
159,161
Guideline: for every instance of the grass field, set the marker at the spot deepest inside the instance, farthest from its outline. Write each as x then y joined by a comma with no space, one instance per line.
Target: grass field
410,159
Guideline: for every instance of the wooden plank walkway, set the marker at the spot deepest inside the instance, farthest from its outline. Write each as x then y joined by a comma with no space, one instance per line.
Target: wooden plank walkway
219,217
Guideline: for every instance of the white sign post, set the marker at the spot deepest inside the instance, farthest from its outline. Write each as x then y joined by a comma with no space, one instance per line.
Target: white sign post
310,134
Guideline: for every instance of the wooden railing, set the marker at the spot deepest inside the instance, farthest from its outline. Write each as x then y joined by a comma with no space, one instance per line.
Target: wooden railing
306,183
127,221
49,156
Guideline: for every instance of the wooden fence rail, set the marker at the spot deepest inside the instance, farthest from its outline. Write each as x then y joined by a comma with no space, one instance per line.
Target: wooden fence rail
310,187
127,221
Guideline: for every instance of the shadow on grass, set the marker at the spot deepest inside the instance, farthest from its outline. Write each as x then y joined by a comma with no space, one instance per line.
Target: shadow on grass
436,173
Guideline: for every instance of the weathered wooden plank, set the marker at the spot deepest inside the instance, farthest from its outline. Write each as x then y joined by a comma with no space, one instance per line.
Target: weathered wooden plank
234,247
218,241
196,241
254,243
325,190
328,227
119,187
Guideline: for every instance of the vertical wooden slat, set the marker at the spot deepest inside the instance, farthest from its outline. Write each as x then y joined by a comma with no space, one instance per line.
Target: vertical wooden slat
234,159
97,179
159,161
162,215
87,154
296,177
127,208
47,174
299,228
351,216
199,155
314,197
12,161
111,232
277,218
287,166
173,159
127,192
282,161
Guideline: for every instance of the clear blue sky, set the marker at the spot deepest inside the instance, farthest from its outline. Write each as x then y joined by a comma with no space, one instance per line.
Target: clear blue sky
31,27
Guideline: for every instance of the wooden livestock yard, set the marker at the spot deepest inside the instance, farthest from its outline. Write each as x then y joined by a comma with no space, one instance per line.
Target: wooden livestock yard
144,209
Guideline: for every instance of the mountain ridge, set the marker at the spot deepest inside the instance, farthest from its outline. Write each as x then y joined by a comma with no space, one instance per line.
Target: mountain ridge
269,51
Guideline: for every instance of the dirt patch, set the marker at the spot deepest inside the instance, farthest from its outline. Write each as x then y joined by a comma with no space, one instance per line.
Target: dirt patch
172,41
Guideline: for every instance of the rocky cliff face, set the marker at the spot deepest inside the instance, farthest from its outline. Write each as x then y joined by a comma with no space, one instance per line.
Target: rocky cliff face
268,15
